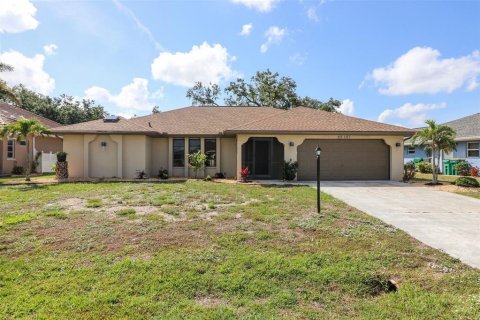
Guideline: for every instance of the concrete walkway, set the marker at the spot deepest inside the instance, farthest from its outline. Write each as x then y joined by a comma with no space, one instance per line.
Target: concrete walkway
440,219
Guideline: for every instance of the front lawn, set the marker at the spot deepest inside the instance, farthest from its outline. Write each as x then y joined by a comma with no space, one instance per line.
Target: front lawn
34,178
441,178
448,184
192,250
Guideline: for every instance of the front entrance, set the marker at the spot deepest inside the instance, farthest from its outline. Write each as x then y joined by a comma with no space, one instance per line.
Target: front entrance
264,158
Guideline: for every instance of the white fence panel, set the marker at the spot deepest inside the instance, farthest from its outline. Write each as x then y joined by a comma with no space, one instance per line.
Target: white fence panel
47,160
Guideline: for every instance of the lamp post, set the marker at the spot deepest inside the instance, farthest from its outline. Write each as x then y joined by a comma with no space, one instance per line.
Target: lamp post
318,151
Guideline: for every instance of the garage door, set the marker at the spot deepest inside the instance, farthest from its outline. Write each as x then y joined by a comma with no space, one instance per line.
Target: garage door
344,160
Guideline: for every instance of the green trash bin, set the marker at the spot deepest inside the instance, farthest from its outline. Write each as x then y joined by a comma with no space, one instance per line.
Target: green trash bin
417,160
453,170
447,168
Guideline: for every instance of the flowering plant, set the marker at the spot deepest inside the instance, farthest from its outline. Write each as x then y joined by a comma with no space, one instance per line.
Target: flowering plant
244,173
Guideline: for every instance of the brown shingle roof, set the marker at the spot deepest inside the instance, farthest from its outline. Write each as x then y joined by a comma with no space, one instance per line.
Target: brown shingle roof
305,120
99,126
10,114
231,120
203,120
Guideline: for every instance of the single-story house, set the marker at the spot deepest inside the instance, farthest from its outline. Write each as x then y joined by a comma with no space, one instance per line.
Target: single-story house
467,139
260,138
13,152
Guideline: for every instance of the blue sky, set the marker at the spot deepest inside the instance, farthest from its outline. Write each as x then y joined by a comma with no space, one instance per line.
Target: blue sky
399,62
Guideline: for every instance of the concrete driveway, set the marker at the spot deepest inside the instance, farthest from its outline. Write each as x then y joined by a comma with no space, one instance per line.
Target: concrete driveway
440,219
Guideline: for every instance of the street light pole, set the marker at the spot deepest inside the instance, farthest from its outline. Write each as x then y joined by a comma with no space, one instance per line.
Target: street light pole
318,151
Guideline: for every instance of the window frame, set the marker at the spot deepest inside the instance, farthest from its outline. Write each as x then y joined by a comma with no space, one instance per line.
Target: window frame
411,148
13,143
209,157
190,151
173,153
190,146
477,149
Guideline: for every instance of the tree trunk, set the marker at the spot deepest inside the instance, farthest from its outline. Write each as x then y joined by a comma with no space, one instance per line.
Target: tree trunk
29,165
434,170
439,164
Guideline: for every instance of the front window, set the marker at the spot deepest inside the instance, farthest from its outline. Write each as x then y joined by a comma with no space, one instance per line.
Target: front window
178,152
11,149
193,146
211,152
473,150
411,150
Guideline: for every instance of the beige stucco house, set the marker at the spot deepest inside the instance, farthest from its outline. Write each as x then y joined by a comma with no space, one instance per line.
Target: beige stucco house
261,138
13,152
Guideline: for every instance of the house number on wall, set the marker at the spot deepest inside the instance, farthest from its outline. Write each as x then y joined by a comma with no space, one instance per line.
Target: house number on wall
343,137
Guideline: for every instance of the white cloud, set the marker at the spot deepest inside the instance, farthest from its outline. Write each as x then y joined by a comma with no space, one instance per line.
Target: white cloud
421,70
298,59
312,14
415,114
259,5
138,23
347,107
133,96
17,16
203,63
246,29
273,34
50,49
27,71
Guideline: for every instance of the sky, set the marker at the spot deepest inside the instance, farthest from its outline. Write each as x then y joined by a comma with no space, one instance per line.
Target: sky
398,62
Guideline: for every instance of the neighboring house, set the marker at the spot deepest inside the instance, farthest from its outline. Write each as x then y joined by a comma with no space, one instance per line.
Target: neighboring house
467,139
261,138
13,152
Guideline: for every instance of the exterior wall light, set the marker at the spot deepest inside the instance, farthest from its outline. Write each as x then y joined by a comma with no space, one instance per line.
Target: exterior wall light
291,143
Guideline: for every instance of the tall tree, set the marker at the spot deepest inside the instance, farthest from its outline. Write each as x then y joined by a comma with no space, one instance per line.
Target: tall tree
204,95
64,109
24,130
435,138
6,93
265,88
331,105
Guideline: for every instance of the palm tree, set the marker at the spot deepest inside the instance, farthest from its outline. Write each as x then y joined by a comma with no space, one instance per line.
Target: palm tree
5,91
24,130
436,139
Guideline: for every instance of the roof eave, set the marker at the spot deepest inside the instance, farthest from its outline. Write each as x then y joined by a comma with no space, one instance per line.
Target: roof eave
148,133
303,132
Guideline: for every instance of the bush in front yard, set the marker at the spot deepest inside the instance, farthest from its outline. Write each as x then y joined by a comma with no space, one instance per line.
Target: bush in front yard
408,171
290,170
467,182
18,170
474,171
424,167
463,168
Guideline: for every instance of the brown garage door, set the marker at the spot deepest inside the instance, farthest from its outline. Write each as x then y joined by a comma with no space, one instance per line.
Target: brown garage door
344,160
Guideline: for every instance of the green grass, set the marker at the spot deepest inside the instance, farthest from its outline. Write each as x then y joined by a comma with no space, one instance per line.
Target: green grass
441,177
469,192
125,212
264,254
35,178
94,203
56,213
